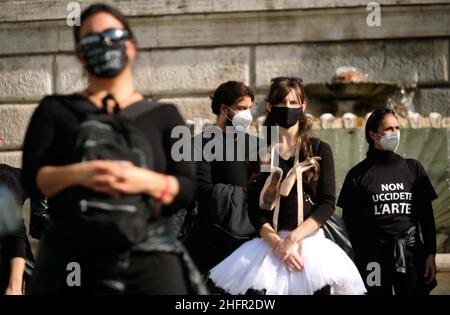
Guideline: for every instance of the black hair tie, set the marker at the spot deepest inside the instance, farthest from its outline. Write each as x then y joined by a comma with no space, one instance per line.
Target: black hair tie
116,108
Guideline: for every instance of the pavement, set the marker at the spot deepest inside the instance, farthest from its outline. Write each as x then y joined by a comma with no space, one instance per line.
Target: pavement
443,288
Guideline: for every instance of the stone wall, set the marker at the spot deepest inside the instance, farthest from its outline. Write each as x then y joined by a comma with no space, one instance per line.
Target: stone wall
187,48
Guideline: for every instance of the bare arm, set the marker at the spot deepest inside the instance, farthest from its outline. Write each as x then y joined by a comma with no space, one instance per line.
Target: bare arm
16,277
53,179
283,248
308,227
132,180
166,187
111,177
269,235
97,175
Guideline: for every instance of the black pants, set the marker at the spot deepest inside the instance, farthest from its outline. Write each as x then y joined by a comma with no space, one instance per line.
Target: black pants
155,273
136,273
5,270
409,283
208,245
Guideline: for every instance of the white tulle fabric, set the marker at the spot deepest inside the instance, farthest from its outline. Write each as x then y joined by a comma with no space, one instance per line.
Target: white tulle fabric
253,266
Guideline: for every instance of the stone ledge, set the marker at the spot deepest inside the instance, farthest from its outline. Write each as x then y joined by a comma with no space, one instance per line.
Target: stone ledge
443,262
248,28
403,61
32,10
26,78
12,158
192,107
169,72
70,77
186,71
13,123
432,100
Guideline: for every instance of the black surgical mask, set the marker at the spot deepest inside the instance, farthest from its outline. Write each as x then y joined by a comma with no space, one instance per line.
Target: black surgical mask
285,117
105,53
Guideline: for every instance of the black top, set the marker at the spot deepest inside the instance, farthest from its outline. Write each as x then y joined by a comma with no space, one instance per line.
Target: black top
222,177
232,170
384,195
322,193
14,245
51,137
222,223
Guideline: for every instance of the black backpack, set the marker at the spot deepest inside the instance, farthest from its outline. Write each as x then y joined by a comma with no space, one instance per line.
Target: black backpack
97,220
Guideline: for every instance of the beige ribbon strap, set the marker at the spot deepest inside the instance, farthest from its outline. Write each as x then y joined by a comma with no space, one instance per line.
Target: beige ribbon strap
276,212
277,205
299,173
299,169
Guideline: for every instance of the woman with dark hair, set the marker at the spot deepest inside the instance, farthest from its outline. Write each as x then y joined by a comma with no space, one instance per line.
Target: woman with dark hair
385,200
292,255
154,263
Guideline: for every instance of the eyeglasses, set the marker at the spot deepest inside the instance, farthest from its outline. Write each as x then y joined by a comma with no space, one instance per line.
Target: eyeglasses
293,79
108,38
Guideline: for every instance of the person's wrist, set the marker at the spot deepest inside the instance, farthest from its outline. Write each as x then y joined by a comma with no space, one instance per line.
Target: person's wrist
150,190
292,238
77,172
275,243
165,190
15,284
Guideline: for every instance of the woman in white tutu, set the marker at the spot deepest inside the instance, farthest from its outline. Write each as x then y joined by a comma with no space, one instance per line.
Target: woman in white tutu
292,256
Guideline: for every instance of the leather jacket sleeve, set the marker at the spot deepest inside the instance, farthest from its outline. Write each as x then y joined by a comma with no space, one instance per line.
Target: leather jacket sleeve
39,216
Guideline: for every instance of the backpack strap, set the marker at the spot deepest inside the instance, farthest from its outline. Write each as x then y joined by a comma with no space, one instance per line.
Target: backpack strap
81,106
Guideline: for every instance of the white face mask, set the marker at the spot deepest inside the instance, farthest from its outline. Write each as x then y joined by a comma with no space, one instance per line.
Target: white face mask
390,141
241,120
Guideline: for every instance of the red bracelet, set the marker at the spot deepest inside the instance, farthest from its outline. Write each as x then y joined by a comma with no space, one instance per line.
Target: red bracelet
165,190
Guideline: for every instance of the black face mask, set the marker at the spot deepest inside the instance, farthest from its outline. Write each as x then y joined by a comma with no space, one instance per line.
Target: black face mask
105,61
285,117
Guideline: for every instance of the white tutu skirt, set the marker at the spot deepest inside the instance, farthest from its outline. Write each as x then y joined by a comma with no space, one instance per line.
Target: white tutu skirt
253,266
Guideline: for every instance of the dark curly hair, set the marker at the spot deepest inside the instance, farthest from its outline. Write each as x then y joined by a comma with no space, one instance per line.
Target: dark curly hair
229,93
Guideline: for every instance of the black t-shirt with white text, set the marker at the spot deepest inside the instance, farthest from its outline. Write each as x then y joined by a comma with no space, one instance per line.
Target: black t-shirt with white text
384,195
